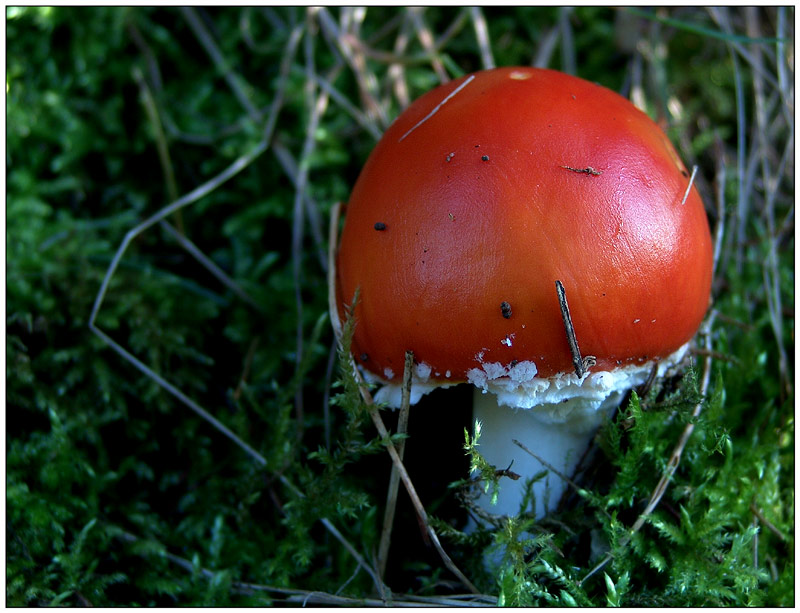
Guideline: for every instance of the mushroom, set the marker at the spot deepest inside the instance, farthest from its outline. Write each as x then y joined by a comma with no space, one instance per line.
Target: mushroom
488,190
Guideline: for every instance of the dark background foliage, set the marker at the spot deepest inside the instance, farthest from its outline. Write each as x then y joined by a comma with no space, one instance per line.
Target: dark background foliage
118,494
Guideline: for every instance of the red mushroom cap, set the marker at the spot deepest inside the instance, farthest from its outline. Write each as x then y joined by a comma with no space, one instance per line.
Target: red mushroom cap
488,189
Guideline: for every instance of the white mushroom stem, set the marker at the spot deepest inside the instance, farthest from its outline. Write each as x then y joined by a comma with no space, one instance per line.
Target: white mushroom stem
555,418
559,444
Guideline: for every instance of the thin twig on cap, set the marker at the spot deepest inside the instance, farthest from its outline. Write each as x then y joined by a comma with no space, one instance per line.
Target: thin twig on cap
689,187
581,364
438,106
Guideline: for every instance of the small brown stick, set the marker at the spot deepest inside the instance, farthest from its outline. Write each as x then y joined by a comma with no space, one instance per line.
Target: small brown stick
770,526
581,364
674,459
587,171
648,384
394,476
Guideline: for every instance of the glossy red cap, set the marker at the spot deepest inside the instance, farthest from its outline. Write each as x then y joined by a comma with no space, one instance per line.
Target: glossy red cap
488,189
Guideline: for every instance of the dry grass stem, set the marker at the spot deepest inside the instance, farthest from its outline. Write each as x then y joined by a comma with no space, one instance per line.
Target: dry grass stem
311,207
549,466
568,62
397,71
209,265
719,232
769,525
361,119
394,475
547,45
317,106
235,81
482,36
354,55
426,40
333,246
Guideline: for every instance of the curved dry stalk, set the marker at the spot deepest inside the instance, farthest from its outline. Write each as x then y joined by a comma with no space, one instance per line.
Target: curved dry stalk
353,54
317,107
482,36
397,72
426,40
333,240
234,80
394,476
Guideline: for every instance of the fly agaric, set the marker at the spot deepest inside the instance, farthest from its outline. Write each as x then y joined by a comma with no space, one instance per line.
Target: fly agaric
481,196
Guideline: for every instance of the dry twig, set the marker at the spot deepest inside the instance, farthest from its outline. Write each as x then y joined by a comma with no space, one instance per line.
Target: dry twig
482,36
394,476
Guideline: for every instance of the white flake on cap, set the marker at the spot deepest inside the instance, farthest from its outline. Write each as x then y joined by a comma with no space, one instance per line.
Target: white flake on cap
422,372
391,394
